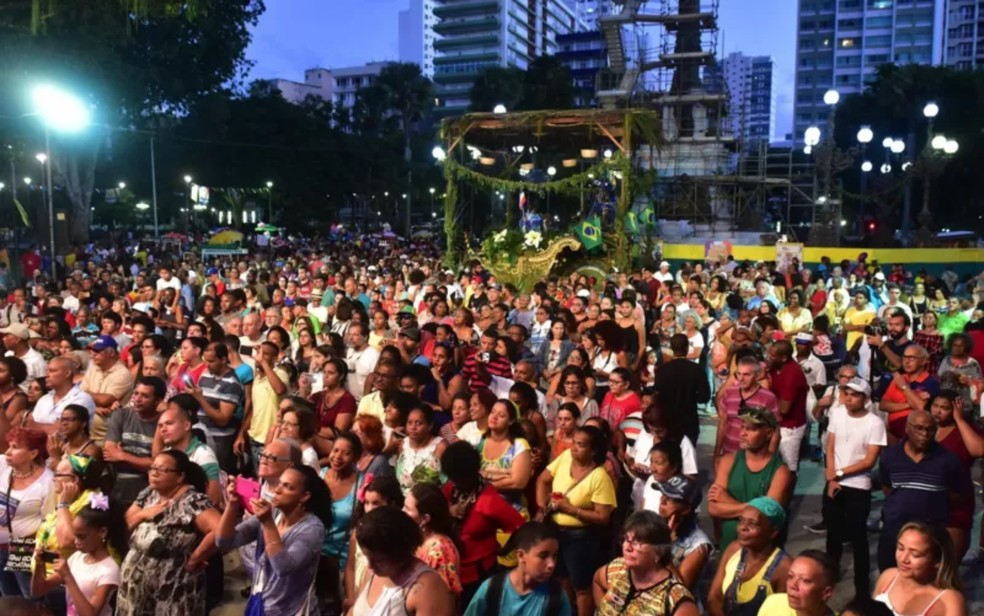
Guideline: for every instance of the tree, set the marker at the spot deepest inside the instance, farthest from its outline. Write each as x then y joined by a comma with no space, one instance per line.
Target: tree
547,84
497,85
132,67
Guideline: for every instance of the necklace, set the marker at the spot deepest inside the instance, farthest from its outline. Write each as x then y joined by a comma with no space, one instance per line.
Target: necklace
23,474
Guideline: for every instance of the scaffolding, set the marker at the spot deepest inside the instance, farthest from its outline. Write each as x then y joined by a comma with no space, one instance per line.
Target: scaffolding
662,55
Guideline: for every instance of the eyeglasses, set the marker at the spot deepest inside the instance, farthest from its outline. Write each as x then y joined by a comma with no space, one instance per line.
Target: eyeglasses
291,424
269,457
161,469
614,382
634,543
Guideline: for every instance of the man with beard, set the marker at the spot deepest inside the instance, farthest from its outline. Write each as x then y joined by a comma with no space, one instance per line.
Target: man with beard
888,350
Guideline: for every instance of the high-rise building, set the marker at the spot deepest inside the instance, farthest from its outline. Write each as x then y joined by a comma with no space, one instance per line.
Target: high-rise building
841,43
586,54
417,36
587,12
477,34
963,46
752,96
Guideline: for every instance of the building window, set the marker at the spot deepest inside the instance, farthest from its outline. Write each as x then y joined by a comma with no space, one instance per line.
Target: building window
845,43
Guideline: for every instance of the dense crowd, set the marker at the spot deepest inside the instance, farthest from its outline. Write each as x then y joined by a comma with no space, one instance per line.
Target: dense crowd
375,434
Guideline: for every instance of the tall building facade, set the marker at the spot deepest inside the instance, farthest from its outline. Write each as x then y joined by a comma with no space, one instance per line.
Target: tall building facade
963,45
417,36
586,54
477,34
840,44
752,96
587,12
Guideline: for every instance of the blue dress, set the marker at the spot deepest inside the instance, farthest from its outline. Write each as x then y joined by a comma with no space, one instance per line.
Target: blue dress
336,542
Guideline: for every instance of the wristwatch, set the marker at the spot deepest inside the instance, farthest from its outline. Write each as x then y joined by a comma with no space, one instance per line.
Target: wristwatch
839,473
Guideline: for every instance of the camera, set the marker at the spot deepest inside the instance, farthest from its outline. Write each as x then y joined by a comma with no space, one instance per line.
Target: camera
874,329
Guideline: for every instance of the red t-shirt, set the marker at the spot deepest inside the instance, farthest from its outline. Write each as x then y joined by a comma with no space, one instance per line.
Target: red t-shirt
789,385
479,548
345,405
615,411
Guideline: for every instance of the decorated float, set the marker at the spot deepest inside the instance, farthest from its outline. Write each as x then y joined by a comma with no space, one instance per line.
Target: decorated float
568,183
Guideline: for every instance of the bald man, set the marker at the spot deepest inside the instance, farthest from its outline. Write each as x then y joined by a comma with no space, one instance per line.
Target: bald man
62,391
921,479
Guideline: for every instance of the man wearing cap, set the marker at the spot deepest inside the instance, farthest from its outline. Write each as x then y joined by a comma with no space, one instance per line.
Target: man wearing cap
809,586
15,337
663,275
108,382
409,345
62,391
360,358
751,472
791,389
855,441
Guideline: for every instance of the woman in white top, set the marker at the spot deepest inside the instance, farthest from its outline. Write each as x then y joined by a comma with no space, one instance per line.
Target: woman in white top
398,584
926,581
25,482
659,427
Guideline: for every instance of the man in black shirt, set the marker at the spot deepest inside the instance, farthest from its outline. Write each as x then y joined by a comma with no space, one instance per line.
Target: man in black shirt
682,385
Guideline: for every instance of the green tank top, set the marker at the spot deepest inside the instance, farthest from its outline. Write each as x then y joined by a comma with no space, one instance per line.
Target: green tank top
745,485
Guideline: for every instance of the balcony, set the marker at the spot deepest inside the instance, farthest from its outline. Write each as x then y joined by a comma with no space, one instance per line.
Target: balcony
452,8
466,57
482,23
457,42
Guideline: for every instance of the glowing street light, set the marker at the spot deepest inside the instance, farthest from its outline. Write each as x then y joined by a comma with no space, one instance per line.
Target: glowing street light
60,110
812,136
42,157
887,142
608,153
439,154
898,146
551,171
951,147
866,166
187,179
500,108
122,185
831,97
143,206
886,168
938,142
865,135
27,181
931,110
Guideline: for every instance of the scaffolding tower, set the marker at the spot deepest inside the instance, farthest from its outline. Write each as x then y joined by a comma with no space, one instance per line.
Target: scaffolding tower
662,55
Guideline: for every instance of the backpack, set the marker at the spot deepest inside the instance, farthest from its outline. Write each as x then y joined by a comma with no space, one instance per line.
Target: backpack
493,595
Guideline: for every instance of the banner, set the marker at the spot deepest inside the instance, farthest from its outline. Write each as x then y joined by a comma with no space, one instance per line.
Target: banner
785,253
717,251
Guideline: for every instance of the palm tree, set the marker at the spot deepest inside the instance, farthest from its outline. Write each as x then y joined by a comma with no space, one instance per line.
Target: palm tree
41,10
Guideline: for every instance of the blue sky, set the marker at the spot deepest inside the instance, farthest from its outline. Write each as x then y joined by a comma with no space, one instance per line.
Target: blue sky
297,34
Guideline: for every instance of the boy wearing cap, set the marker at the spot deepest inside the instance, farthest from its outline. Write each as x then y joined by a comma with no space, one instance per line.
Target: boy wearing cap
856,439
691,546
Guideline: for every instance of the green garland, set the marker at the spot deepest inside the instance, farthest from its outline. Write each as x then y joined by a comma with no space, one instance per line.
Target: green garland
568,186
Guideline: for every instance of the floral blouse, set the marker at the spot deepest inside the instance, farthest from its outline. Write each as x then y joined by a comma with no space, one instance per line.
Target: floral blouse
440,554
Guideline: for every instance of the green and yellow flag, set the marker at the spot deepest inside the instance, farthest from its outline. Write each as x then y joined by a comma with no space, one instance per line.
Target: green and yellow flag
649,216
631,223
23,213
589,232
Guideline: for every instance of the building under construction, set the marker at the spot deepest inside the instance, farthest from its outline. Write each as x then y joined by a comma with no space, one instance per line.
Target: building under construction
663,55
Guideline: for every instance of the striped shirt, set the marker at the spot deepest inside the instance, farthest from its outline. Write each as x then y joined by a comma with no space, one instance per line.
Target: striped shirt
218,389
920,490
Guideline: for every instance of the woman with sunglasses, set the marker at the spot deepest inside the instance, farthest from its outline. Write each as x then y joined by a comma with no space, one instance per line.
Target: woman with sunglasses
640,582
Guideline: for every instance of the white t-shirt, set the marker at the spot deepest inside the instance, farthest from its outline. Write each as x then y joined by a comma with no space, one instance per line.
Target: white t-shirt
852,436
90,577
310,457
47,412
470,433
500,386
173,283
642,491
814,370
695,342
24,505
36,366
360,365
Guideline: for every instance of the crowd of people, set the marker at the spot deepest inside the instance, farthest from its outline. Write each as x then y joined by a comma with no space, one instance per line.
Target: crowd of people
372,433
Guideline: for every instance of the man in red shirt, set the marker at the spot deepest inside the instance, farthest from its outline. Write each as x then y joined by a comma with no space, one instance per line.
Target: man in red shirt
910,390
790,387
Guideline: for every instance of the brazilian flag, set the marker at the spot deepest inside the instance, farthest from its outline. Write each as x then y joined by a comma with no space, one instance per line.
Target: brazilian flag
649,216
631,223
589,232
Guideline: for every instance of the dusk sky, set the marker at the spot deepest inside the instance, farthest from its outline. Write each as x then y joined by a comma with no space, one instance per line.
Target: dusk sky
294,35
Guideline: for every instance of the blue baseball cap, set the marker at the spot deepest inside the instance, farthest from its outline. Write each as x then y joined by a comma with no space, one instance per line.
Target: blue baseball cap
102,343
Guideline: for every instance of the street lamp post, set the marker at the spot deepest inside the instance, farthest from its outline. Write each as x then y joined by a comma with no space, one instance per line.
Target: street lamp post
191,205
432,190
63,112
865,135
269,186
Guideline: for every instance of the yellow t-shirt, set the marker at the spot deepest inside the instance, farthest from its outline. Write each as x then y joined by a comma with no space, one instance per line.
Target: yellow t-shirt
265,405
853,316
373,405
596,488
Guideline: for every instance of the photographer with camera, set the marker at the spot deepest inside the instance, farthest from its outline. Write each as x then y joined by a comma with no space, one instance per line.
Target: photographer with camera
886,342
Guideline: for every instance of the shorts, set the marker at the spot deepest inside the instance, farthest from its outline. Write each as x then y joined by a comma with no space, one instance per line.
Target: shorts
790,440
580,550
